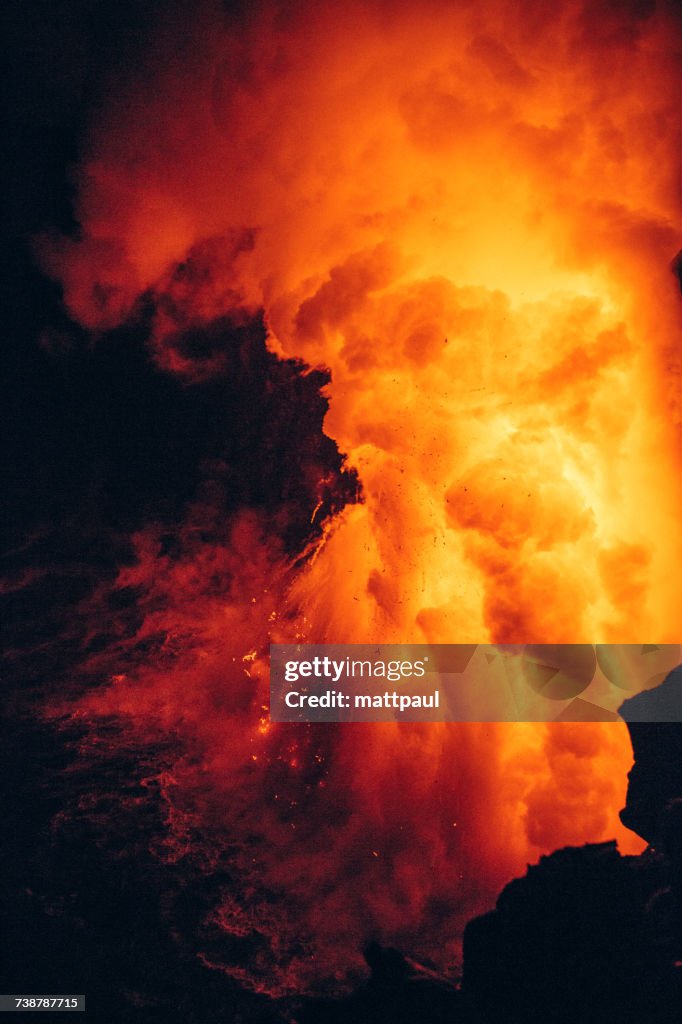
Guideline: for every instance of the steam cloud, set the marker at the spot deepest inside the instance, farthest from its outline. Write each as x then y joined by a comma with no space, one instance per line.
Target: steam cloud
467,212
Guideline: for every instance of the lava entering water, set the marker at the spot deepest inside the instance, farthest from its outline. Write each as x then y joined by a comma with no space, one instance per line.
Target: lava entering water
468,213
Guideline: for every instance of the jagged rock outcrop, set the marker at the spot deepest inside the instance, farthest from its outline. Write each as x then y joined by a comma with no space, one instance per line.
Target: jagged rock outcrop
653,806
655,780
572,942
587,936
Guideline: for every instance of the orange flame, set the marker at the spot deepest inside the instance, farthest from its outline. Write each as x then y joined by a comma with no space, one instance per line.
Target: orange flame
468,212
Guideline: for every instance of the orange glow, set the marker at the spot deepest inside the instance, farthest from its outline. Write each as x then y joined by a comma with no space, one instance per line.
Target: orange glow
468,213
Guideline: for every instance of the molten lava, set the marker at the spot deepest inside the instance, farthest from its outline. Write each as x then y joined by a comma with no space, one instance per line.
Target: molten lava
468,214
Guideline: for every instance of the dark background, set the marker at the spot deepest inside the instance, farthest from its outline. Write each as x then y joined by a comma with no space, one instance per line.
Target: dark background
96,443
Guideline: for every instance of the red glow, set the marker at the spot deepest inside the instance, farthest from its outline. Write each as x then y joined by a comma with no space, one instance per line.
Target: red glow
468,214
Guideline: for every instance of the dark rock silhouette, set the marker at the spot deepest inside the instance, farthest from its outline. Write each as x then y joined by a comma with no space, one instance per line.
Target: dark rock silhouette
654,799
571,942
587,936
656,777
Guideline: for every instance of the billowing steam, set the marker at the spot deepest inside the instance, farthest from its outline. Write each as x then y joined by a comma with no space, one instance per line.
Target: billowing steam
468,213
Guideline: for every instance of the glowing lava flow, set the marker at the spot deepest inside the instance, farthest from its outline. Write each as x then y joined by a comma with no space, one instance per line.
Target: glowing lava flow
468,213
